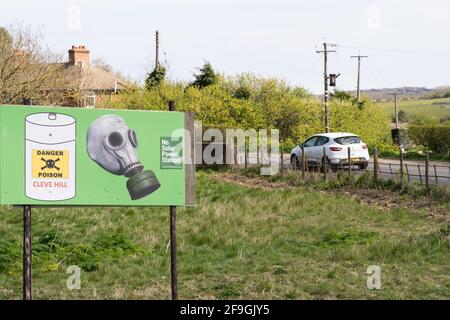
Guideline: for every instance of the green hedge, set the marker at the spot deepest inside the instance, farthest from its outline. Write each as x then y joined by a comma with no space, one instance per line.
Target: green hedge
267,103
434,137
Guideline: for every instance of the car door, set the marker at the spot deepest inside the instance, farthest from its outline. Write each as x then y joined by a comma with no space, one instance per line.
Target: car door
317,151
309,146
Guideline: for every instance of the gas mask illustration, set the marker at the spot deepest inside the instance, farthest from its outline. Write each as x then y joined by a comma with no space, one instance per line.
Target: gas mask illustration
112,145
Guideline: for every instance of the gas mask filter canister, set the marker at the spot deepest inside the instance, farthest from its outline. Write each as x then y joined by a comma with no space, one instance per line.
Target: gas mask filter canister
112,145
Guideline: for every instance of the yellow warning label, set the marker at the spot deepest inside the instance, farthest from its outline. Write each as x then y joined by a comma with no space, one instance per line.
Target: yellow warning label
50,164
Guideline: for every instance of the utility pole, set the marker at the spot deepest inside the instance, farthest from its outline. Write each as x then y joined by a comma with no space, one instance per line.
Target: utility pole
157,50
359,74
395,109
325,52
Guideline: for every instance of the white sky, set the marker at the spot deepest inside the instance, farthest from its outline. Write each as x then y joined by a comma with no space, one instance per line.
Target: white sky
270,38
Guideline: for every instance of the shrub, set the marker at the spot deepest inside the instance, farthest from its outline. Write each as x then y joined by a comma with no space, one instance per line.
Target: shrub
247,101
402,116
434,137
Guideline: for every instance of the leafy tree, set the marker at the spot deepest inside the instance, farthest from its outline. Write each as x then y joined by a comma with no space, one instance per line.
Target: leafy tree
242,92
156,77
343,96
206,76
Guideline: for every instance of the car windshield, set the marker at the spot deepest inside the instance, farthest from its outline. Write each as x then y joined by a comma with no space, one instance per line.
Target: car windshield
348,140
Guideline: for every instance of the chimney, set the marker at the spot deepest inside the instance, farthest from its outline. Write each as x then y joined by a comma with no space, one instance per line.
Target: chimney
78,54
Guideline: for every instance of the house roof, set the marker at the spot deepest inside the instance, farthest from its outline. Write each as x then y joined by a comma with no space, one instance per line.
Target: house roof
89,77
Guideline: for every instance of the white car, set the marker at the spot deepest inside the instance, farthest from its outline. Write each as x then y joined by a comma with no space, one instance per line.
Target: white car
336,151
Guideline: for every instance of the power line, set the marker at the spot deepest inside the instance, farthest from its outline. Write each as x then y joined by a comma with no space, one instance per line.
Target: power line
396,50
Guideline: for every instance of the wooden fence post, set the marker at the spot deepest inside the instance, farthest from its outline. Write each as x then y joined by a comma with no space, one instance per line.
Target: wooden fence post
245,155
407,173
427,173
402,178
375,165
324,163
349,159
303,162
435,175
420,174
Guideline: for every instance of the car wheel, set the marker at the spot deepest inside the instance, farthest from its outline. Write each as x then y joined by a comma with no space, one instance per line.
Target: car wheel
295,164
362,166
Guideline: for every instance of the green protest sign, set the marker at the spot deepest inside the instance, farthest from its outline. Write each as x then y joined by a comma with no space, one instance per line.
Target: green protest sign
73,156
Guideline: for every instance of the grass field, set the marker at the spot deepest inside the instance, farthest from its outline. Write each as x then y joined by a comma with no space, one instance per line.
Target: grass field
239,242
432,108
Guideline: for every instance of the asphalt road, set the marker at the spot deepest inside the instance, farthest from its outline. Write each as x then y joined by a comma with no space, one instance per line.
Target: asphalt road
439,172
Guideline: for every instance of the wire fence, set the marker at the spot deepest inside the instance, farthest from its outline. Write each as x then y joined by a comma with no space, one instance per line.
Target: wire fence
421,172
418,172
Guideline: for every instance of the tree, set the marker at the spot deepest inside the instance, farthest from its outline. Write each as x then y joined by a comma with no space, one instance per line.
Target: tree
206,76
342,95
28,71
155,78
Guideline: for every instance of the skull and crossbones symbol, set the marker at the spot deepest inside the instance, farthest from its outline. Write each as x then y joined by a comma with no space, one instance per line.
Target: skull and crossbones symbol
50,164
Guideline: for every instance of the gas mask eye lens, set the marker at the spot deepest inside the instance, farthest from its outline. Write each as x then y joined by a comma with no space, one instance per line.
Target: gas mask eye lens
115,139
132,137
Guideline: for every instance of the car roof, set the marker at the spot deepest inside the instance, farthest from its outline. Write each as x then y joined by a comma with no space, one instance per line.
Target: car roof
334,135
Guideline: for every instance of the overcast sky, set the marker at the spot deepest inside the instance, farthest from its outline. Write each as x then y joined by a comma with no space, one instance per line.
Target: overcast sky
408,42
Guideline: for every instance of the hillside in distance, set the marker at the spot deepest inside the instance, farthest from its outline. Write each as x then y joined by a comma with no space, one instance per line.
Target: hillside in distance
405,93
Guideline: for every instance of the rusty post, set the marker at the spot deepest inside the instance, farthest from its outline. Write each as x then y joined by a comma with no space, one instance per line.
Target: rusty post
173,239
27,253
324,161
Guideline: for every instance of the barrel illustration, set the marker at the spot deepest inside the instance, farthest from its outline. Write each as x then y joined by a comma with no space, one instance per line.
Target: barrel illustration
50,142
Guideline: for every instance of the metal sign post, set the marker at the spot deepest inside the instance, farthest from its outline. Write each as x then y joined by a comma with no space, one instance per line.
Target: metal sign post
173,239
27,253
